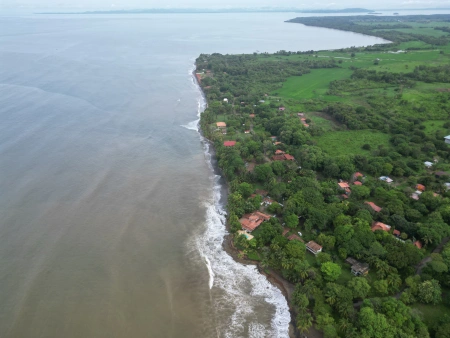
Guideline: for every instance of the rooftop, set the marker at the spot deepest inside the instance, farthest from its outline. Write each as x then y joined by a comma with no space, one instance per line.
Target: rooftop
420,187
375,207
343,185
295,237
380,226
357,183
229,143
313,247
221,124
418,244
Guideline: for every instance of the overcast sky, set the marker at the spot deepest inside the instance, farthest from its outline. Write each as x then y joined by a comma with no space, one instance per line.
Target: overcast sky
117,4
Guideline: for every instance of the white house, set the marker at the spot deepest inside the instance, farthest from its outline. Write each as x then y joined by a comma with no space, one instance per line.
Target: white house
428,164
386,179
225,100
447,139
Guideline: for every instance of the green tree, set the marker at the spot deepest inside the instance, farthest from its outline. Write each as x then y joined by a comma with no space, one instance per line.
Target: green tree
429,292
331,271
359,286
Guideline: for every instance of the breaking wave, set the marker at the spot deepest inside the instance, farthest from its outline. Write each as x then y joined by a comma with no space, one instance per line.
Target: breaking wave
240,294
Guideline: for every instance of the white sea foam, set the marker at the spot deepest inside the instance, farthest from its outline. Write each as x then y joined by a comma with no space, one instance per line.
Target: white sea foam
237,290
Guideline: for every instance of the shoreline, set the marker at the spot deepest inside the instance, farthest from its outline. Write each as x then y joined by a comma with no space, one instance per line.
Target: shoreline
273,277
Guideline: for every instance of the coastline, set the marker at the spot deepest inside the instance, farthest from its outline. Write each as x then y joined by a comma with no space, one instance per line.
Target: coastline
273,277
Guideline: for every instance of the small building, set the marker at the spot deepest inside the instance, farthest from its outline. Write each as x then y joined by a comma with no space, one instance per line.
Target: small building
374,207
343,185
418,244
229,143
285,231
357,183
278,143
281,108
428,164
221,125
357,174
380,226
360,269
415,196
447,185
301,114
396,233
386,179
250,222
267,201
252,116
420,187
289,157
439,174
225,100
313,247
447,139
247,132
273,138
279,152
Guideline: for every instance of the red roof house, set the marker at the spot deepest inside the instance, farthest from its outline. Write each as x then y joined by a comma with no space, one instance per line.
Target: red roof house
420,187
252,115
295,237
282,108
380,226
289,157
344,185
357,183
279,152
250,222
396,233
418,244
374,207
229,143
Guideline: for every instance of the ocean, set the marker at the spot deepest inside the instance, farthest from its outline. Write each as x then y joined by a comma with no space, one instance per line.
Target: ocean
111,216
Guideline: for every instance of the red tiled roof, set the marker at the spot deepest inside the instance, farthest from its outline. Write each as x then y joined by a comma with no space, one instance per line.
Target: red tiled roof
343,185
357,183
396,232
252,115
221,124
278,158
418,244
420,187
289,157
251,221
380,226
279,152
374,206
285,231
313,246
229,143
358,174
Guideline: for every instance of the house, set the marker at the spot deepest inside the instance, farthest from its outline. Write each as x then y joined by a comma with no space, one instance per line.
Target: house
428,164
357,183
418,244
359,269
386,179
374,207
380,226
343,185
285,231
247,235
225,100
313,247
267,201
447,139
447,185
357,174
229,143
247,132
396,233
301,114
252,116
261,101
289,157
279,152
420,187
415,196
278,143
250,222
278,158
221,125
282,109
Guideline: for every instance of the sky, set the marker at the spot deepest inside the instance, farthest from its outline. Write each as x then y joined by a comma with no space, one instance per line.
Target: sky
316,4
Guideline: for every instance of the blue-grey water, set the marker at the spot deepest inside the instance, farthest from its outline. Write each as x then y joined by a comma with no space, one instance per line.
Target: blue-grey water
109,221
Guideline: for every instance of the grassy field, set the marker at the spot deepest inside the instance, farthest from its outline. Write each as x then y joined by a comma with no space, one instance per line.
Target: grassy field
313,85
432,126
431,313
350,142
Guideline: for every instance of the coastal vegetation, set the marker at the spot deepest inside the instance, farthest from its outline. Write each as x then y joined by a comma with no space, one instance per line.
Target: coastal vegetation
339,173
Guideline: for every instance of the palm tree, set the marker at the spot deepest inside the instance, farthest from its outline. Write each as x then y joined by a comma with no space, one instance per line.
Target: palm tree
304,321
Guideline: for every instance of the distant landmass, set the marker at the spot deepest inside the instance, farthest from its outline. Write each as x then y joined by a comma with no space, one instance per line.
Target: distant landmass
345,10
221,10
